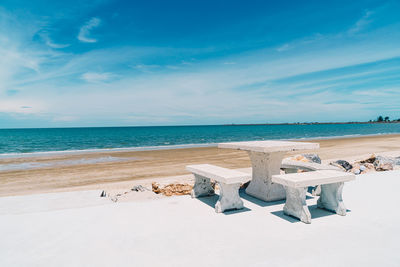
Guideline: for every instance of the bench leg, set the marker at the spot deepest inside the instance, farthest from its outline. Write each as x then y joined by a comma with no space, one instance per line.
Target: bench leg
296,204
202,187
265,165
331,198
228,198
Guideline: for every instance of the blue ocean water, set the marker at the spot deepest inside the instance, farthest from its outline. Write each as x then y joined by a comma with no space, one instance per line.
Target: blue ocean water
26,141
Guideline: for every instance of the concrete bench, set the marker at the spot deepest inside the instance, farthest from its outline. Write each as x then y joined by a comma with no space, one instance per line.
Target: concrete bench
229,183
296,185
292,166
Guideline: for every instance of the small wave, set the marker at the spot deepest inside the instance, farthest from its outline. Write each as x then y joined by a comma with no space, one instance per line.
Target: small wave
97,150
38,165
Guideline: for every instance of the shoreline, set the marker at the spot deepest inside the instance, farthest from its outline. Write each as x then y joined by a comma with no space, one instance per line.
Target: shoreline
140,166
168,147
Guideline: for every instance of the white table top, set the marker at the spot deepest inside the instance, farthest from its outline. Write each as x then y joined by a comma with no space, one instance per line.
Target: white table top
269,146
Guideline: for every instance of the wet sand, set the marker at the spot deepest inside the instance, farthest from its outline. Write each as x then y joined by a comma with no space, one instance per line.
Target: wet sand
138,165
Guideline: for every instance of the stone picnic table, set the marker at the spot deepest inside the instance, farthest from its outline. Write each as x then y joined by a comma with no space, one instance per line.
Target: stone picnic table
266,159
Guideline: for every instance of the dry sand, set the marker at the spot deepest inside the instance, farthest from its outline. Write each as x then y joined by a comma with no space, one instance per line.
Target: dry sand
151,165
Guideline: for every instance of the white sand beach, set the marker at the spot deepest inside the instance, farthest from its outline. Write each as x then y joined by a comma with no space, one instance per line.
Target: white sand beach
148,166
81,229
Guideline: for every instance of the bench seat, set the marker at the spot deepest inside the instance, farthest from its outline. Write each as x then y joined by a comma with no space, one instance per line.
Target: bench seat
312,178
292,166
229,182
296,184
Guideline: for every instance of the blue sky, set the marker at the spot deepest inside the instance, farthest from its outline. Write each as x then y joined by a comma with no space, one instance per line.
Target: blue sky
122,63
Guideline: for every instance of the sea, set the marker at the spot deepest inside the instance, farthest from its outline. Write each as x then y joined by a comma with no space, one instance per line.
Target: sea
31,142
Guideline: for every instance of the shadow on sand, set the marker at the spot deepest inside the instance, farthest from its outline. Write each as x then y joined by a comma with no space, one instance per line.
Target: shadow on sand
314,210
212,200
260,202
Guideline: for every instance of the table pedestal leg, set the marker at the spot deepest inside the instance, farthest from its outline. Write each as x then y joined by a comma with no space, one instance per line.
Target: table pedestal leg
331,198
264,166
228,197
202,187
296,204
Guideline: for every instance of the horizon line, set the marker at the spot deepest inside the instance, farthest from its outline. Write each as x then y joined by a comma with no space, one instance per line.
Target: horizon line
204,125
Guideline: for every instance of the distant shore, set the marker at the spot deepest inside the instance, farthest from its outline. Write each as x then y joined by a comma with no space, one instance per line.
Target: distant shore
313,123
148,165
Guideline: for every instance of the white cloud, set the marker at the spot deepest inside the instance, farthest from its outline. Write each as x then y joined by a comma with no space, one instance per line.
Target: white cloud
21,106
95,77
283,48
52,44
18,57
84,32
361,23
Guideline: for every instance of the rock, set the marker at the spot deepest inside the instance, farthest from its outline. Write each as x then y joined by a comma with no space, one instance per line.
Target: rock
384,167
103,194
369,166
384,163
300,158
343,164
312,158
371,159
155,187
356,168
172,189
397,161
139,188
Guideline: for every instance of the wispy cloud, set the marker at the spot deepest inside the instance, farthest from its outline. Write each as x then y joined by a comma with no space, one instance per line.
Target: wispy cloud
283,47
51,43
20,106
84,32
362,23
96,77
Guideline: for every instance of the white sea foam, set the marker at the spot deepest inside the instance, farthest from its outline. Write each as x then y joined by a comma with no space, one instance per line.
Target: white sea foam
98,150
38,165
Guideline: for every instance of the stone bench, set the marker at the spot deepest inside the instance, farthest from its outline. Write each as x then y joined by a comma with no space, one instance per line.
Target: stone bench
296,185
292,166
229,183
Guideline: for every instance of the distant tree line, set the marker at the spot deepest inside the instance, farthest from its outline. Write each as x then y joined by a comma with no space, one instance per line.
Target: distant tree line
383,119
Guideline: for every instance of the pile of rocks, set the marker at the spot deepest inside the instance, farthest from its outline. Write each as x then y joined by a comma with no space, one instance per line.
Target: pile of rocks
386,163
370,164
172,189
373,163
